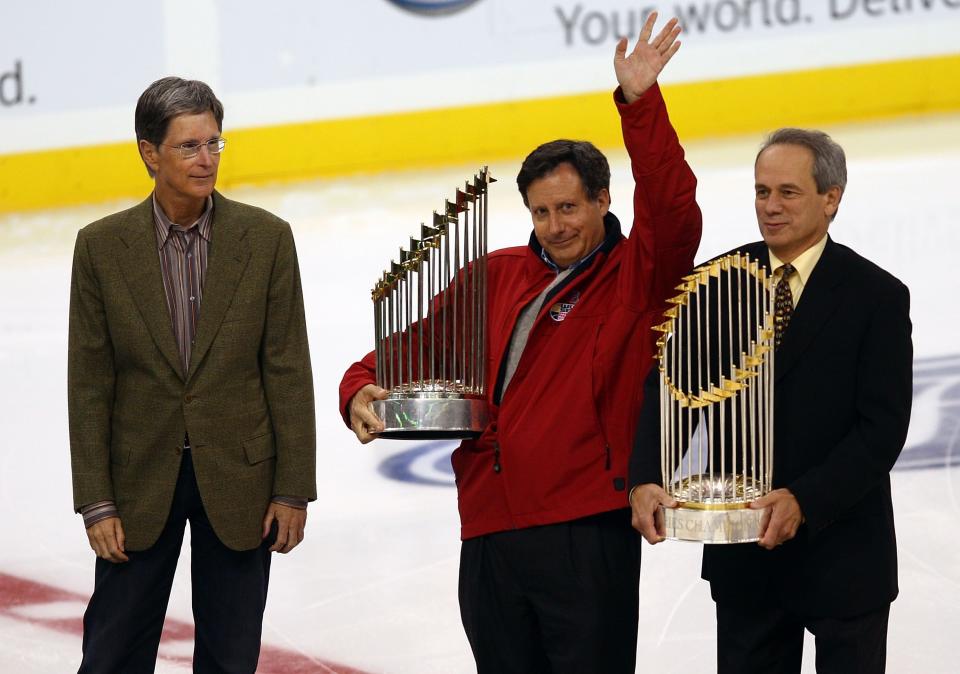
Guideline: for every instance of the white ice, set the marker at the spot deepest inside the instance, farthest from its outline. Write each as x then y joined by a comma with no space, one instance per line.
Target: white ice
374,585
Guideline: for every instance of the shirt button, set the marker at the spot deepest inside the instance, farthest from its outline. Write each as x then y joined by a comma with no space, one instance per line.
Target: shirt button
188,398
192,298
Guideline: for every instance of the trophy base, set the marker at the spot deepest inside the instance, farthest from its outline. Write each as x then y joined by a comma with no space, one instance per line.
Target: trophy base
737,525
428,417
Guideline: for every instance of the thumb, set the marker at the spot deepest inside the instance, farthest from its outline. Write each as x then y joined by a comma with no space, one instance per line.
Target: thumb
621,51
267,521
760,503
121,537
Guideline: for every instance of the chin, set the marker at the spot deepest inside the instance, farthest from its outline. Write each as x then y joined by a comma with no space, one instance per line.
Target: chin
202,192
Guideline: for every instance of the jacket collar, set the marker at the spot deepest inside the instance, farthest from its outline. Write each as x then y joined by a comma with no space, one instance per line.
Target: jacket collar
141,269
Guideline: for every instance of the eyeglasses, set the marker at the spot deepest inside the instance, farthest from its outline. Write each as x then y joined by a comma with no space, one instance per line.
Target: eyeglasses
191,150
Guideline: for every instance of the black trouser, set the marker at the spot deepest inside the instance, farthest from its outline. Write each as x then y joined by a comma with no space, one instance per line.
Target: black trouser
124,620
769,640
561,598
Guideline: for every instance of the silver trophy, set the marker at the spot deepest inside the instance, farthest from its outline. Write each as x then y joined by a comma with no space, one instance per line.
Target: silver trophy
716,401
430,324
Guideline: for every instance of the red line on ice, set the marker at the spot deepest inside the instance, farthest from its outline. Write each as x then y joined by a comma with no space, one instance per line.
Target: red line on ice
16,593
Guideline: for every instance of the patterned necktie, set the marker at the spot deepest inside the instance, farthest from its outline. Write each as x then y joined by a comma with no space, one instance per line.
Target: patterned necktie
783,302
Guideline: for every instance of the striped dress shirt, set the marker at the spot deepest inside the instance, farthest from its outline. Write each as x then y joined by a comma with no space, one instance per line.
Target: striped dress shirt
183,261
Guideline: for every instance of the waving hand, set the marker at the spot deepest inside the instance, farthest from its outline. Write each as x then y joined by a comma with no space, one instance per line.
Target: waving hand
637,72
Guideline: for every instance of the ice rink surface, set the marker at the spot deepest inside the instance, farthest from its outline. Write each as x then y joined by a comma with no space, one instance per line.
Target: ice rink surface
373,587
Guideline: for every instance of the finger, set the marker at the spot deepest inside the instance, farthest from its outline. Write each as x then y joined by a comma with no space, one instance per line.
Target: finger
363,434
366,416
668,501
293,540
362,431
620,52
121,537
267,521
668,42
114,553
648,529
776,529
660,524
666,36
647,30
119,557
283,535
765,521
669,55
99,542
119,541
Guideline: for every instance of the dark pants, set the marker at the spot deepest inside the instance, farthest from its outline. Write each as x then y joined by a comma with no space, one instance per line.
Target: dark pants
561,598
768,639
124,620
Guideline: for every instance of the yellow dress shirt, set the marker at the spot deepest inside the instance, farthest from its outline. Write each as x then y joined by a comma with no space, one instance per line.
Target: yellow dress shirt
804,265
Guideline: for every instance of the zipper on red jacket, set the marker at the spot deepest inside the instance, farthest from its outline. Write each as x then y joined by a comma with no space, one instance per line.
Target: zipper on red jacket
496,457
607,464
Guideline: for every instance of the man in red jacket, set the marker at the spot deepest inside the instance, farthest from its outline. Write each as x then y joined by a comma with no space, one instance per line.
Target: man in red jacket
549,564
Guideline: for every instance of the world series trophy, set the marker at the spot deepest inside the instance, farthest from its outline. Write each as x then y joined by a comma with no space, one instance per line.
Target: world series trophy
716,401
430,324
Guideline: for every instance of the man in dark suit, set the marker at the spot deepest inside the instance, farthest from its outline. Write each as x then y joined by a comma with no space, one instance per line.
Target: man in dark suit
827,559
190,398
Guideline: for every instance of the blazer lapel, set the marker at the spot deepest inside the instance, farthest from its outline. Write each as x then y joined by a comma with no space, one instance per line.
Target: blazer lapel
228,258
141,271
817,303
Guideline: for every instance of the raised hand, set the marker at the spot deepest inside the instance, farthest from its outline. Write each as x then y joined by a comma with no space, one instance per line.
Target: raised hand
637,72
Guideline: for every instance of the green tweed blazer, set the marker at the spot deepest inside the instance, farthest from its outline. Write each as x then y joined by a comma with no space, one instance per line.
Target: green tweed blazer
246,399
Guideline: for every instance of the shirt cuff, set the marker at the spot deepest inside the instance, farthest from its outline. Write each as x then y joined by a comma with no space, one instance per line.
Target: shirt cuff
97,512
291,501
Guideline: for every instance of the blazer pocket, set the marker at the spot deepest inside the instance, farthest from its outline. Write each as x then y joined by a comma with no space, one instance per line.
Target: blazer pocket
259,448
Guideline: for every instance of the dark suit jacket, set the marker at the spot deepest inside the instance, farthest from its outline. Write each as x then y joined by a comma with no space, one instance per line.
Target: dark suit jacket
842,396
246,400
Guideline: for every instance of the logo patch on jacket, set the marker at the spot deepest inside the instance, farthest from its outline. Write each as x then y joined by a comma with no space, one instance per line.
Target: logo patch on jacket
559,311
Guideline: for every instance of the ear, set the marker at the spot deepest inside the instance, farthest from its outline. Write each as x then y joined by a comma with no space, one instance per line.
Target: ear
831,201
148,152
603,200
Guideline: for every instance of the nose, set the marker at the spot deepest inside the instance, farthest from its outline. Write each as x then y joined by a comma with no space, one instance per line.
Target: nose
772,204
204,156
555,223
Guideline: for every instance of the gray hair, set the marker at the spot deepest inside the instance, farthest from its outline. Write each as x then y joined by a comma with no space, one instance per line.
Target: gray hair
170,97
829,161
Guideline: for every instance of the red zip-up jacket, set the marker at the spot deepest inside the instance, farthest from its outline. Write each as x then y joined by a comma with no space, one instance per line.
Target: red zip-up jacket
560,436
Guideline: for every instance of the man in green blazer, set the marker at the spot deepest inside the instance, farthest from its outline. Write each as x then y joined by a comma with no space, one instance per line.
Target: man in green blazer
190,398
